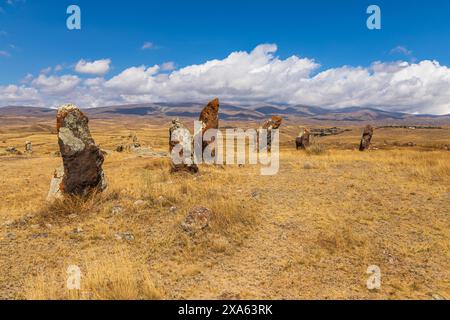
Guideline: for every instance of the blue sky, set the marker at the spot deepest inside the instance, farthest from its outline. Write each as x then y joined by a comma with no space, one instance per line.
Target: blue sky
333,34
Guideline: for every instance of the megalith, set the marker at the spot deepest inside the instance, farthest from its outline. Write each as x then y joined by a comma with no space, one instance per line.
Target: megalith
366,138
82,171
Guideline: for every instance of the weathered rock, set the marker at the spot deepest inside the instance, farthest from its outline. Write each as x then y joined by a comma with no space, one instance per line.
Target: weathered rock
56,185
273,124
13,150
197,219
139,203
210,120
131,143
303,140
366,138
308,166
180,136
29,147
82,170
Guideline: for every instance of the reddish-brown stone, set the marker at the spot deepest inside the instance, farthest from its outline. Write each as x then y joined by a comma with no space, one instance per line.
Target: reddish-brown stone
366,138
82,158
273,124
210,120
303,140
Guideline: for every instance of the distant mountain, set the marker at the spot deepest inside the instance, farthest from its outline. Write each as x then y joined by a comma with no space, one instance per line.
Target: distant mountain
235,112
19,111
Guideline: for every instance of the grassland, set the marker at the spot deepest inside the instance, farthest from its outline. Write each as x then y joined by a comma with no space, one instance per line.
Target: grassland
309,232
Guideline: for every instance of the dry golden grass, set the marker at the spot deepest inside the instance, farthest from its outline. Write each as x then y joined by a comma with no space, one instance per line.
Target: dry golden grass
116,277
309,232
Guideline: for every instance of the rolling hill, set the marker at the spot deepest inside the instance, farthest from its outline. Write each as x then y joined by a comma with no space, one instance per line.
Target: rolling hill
235,112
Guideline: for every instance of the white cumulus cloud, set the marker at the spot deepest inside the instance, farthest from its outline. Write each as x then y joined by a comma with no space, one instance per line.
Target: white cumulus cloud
257,76
54,85
98,67
19,95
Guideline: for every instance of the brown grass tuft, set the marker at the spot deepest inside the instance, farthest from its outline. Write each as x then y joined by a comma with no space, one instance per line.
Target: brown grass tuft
316,149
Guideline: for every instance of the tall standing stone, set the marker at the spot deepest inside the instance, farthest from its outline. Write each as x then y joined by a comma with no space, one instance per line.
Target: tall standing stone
180,136
303,140
366,138
82,170
209,118
273,124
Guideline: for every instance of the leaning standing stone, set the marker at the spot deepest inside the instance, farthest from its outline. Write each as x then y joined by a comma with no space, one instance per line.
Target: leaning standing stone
82,158
209,118
366,138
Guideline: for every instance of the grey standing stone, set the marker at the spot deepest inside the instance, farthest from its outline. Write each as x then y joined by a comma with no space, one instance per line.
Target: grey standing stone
29,147
180,137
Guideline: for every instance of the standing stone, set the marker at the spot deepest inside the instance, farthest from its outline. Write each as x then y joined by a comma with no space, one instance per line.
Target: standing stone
210,120
366,138
303,140
273,124
180,135
82,170
28,147
136,142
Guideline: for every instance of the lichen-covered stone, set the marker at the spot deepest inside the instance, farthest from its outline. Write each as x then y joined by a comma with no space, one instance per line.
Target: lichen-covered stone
29,147
179,136
197,219
366,138
82,158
